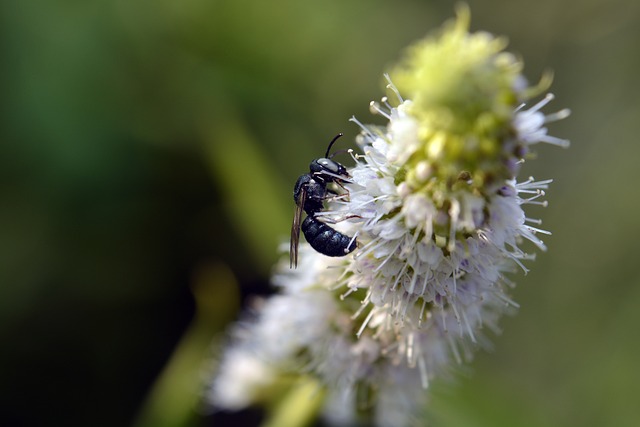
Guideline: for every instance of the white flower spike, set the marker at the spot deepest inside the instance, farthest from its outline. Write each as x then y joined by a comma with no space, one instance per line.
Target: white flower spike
437,209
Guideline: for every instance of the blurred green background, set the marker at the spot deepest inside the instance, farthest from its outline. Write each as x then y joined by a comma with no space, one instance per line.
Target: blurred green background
149,149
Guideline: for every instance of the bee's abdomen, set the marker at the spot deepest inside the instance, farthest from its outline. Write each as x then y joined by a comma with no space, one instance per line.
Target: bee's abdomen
325,239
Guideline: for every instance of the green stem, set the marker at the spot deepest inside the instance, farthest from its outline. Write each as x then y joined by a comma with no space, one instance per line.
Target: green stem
299,407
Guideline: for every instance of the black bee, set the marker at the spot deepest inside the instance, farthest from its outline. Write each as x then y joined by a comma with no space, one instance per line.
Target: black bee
309,194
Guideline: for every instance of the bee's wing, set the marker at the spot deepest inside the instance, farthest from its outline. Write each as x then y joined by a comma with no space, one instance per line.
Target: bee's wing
295,228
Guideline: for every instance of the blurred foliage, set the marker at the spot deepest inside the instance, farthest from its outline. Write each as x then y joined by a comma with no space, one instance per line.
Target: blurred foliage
149,147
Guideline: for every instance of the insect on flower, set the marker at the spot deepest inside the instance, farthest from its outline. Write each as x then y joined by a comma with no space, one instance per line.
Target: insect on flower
442,223
309,193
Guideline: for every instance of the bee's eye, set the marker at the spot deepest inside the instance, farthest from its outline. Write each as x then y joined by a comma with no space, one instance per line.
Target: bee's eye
329,165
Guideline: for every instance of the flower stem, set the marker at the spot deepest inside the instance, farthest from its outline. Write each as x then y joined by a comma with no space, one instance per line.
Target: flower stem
299,407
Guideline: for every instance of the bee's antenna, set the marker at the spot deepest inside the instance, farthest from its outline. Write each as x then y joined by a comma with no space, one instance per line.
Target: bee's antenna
331,143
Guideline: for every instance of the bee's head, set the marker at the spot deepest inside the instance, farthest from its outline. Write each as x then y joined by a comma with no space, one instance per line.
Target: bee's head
328,170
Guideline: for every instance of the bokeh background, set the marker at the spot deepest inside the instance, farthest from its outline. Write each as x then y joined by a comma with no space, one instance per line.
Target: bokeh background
148,154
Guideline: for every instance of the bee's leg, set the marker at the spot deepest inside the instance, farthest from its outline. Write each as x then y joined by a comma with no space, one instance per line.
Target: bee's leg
344,195
334,220
346,190
336,196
